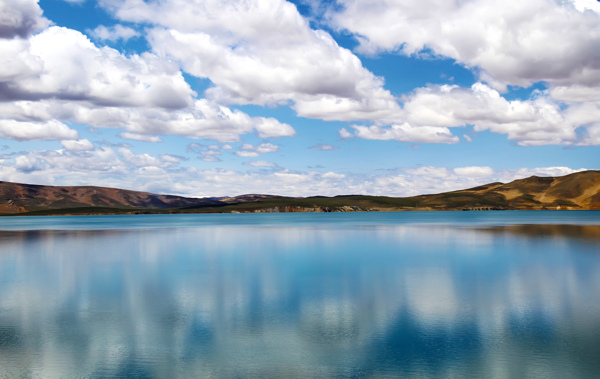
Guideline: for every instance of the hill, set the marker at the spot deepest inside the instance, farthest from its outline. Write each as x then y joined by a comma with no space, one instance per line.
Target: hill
23,198
580,190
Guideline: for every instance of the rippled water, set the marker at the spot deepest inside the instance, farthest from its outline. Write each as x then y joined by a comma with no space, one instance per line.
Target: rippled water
450,294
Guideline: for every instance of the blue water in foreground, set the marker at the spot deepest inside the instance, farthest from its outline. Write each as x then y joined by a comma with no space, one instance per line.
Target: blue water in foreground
432,294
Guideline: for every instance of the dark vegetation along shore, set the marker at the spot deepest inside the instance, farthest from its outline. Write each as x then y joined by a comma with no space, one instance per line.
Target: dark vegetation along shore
578,191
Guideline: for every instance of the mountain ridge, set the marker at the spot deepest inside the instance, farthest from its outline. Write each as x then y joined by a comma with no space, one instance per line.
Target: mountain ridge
580,190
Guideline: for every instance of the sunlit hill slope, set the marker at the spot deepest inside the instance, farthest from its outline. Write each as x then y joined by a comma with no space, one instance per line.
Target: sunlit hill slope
578,191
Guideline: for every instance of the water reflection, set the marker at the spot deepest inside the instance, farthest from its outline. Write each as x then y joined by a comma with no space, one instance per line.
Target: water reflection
582,232
301,301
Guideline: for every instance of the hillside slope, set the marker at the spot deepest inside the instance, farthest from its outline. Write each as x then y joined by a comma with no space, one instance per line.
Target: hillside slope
19,198
580,190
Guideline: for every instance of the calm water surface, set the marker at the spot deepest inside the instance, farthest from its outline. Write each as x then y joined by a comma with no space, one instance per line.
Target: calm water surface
433,294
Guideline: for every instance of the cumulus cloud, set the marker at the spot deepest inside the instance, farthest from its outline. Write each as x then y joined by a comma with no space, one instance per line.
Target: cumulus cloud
261,52
77,145
513,42
266,147
28,164
474,171
27,131
251,151
405,133
74,167
60,75
114,33
536,121
344,133
247,154
509,43
430,112
20,18
62,63
148,161
140,137
203,119
172,159
332,175
260,164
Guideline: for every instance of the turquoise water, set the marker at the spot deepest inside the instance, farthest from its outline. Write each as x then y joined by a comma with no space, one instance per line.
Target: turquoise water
433,294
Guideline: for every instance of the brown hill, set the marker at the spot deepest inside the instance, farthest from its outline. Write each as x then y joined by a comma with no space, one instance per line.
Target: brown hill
580,190
19,198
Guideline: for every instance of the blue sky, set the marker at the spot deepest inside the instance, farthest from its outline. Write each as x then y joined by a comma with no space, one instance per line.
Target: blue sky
220,97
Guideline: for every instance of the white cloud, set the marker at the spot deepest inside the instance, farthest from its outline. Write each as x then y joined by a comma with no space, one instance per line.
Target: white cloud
45,130
114,33
333,175
406,133
27,164
59,74
512,42
247,154
260,164
62,63
430,112
169,158
271,128
125,169
203,119
474,171
77,145
16,62
508,43
537,121
20,18
139,160
576,94
140,137
210,158
261,52
251,151
344,133
74,167
267,148
148,161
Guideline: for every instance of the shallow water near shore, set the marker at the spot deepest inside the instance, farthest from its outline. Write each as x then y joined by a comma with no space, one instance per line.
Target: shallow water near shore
431,294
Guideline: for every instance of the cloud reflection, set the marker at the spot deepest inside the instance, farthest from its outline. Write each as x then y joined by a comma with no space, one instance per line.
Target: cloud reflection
300,301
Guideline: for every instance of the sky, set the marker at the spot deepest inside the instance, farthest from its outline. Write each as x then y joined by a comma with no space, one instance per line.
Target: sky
223,97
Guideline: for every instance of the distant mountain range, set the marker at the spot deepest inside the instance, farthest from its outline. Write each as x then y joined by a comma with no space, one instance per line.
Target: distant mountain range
580,190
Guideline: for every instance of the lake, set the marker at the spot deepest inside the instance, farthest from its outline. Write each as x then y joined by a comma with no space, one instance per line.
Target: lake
381,294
